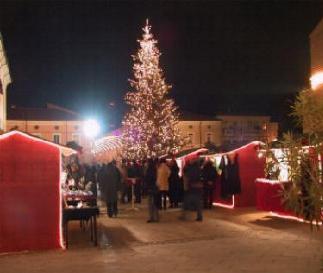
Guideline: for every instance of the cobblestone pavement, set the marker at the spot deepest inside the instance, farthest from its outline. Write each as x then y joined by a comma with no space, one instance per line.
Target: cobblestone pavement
237,241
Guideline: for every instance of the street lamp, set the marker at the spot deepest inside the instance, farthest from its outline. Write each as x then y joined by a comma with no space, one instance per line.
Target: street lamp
316,80
91,128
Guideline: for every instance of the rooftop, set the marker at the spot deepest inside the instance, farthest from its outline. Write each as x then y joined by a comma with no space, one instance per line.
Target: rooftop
189,116
50,113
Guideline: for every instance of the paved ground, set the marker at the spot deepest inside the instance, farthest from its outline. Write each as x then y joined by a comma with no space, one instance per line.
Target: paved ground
238,241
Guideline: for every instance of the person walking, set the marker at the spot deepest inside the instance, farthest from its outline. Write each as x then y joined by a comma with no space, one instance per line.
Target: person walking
124,182
110,187
152,190
163,173
193,194
209,176
138,169
174,185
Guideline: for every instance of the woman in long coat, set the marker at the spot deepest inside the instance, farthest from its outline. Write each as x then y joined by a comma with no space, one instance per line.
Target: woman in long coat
163,173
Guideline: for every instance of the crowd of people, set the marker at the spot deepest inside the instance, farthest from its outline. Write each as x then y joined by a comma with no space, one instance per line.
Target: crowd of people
156,179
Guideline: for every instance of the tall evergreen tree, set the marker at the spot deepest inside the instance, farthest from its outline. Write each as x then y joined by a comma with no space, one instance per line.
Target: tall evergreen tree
149,128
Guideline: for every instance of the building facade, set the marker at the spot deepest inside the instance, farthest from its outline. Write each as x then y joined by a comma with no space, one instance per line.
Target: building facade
5,80
226,131
52,123
238,130
199,129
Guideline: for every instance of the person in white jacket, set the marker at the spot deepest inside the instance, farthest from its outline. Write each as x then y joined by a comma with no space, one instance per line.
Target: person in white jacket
163,173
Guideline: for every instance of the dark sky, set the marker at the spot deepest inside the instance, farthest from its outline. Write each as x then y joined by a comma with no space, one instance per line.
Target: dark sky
220,57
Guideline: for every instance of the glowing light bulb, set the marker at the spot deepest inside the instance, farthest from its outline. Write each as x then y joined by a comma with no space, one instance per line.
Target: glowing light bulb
316,80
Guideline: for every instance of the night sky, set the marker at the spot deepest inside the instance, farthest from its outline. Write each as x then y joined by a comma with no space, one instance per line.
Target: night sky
245,57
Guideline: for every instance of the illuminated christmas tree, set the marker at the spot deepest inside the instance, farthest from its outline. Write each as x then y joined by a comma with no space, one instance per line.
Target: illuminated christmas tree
149,128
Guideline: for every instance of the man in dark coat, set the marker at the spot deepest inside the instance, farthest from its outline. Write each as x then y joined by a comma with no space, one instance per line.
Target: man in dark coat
174,185
193,194
111,184
209,176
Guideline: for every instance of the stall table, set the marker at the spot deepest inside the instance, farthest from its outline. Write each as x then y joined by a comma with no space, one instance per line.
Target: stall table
81,214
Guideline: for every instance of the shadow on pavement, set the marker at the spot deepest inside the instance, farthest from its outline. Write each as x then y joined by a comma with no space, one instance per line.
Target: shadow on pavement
276,223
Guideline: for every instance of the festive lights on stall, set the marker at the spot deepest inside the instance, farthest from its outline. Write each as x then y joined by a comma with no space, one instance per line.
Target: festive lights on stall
223,205
149,128
63,149
106,144
60,228
295,218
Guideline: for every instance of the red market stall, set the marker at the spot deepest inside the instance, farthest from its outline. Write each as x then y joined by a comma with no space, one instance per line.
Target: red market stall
251,166
182,160
30,193
269,196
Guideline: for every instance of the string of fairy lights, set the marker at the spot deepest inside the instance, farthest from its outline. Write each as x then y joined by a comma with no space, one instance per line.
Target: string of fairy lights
107,144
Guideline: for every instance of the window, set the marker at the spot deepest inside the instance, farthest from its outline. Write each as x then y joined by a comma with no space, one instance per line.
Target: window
56,127
56,138
76,138
190,126
209,126
36,127
16,127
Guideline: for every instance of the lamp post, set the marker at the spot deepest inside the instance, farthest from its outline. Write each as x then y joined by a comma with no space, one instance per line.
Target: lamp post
91,129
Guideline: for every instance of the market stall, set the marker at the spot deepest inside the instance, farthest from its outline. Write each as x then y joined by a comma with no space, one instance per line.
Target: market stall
269,196
183,159
238,169
270,192
30,193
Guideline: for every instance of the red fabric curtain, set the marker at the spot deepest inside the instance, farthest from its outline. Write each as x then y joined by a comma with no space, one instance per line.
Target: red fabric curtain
29,194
